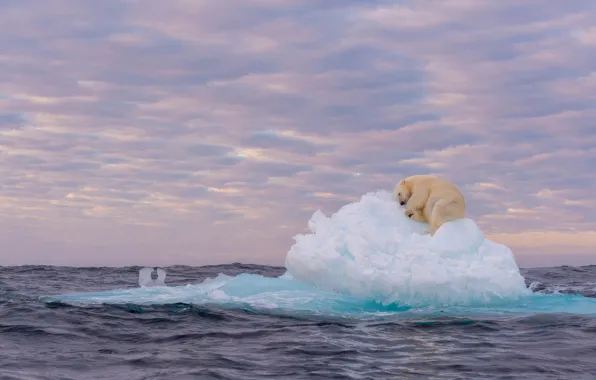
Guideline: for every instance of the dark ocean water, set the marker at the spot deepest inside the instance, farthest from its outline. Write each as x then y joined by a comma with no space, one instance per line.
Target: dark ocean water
41,339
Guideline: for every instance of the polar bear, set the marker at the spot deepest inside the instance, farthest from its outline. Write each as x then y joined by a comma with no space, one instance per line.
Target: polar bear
431,200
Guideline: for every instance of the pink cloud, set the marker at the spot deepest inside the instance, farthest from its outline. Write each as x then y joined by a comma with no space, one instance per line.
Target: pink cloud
211,132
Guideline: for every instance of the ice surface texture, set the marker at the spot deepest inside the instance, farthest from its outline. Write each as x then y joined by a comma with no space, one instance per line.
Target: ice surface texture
371,250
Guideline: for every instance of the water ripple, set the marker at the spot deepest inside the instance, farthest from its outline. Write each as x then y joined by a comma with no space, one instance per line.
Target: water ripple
55,340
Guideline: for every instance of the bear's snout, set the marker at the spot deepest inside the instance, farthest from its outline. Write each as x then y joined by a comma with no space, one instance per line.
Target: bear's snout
402,203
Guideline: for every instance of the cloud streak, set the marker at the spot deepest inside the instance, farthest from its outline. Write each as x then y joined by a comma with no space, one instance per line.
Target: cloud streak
202,132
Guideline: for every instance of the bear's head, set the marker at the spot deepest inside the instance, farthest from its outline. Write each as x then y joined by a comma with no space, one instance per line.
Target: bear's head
402,192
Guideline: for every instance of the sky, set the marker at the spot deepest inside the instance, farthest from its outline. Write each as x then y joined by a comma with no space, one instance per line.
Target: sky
202,132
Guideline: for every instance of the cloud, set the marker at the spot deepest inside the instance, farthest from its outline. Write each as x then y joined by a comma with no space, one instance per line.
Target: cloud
206,132
10,120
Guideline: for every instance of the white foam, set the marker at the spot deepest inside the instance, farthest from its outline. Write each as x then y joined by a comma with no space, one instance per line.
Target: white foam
371,250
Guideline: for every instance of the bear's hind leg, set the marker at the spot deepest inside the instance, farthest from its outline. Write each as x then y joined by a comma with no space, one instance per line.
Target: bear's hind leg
443,211
432,228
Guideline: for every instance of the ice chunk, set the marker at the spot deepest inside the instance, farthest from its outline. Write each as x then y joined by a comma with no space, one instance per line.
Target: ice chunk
366,255
370,249
149,277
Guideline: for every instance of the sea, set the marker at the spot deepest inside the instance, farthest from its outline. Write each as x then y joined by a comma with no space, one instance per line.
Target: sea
98,323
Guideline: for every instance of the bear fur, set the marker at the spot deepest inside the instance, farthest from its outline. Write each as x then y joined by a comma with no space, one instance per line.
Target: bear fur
429,199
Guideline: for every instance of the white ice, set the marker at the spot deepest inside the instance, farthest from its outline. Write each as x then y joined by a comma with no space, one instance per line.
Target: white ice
369,249
146,280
